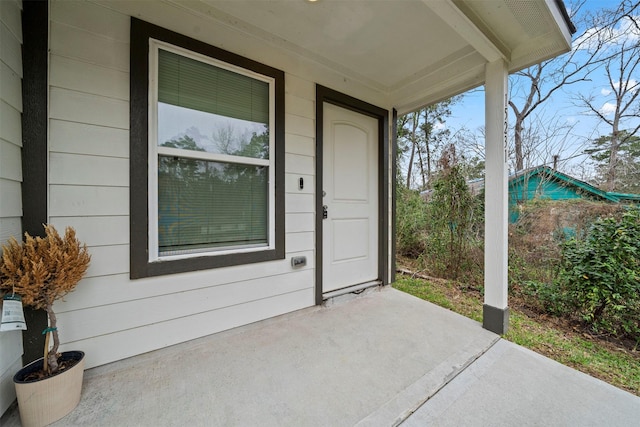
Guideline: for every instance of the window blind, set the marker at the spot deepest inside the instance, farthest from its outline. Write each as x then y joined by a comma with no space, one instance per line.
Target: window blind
189,83
205,204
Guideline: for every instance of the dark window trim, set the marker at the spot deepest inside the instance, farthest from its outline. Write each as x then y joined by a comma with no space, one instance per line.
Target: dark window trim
140,266
324,94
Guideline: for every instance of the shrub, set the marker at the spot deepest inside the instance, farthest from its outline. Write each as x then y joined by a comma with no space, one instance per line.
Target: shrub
600,275
444,232
452,243
547,297
411,222
543,226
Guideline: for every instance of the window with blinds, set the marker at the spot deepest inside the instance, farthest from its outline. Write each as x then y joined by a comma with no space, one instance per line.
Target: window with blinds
213,151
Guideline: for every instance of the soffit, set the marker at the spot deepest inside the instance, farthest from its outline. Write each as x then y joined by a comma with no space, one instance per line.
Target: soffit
414,51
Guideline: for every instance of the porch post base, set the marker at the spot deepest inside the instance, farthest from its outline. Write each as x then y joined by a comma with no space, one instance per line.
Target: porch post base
495,319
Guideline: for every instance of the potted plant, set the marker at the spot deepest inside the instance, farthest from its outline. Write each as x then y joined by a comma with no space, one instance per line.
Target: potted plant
41,270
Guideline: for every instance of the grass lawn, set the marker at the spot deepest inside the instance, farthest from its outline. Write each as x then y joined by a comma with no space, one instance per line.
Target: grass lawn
549,336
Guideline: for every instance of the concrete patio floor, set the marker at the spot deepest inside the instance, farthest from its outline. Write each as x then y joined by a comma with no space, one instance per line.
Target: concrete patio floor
382,358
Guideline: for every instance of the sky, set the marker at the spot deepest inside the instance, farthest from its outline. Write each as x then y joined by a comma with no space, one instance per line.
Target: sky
562,110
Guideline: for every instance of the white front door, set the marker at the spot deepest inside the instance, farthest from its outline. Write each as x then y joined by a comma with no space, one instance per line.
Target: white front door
350,183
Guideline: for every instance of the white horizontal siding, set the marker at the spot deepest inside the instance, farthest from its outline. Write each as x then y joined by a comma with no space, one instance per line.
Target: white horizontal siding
7,388
298,242
10,120
11,18
80,76
94,19
300,87
108,260
10,161
83,324
122,344
10,172
300,160
10,124
80,169
10,227
303,145
74,200
300,203
10,86
97,230
300,106
11,200
84,45
86,108
10,347
10,49
82,138
300,222
300,164
298,125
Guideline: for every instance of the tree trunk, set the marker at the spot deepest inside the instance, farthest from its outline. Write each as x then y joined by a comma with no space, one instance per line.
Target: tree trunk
424,180
428,162
613,159
410,167
414,127
517,138
52,357
427,137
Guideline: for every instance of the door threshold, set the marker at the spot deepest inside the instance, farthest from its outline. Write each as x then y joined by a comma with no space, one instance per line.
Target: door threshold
351,289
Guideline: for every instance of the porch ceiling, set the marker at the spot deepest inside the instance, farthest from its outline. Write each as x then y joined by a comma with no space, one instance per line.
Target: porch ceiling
414,51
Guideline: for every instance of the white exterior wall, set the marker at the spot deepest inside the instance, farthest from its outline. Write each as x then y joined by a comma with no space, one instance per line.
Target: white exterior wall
110,316
10,171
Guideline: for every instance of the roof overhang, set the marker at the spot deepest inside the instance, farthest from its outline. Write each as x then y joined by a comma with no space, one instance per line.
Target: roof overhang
413,52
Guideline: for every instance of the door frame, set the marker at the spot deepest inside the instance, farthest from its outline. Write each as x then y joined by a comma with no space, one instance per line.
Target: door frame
324,94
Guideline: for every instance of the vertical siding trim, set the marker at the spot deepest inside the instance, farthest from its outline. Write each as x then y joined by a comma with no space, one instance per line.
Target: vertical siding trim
35,30
35,18
394,175
383,194
320,96
324,94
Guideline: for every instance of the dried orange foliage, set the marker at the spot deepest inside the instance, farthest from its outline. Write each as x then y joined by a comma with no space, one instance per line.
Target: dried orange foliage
43,269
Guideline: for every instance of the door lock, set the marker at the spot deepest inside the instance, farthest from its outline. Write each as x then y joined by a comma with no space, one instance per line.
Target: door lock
325,212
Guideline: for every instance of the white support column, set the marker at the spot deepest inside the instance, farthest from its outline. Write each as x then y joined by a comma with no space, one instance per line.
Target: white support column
496,311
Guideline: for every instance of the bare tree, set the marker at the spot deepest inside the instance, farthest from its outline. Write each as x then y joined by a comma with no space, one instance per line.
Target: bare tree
621,111
534,86
423,133
546,141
